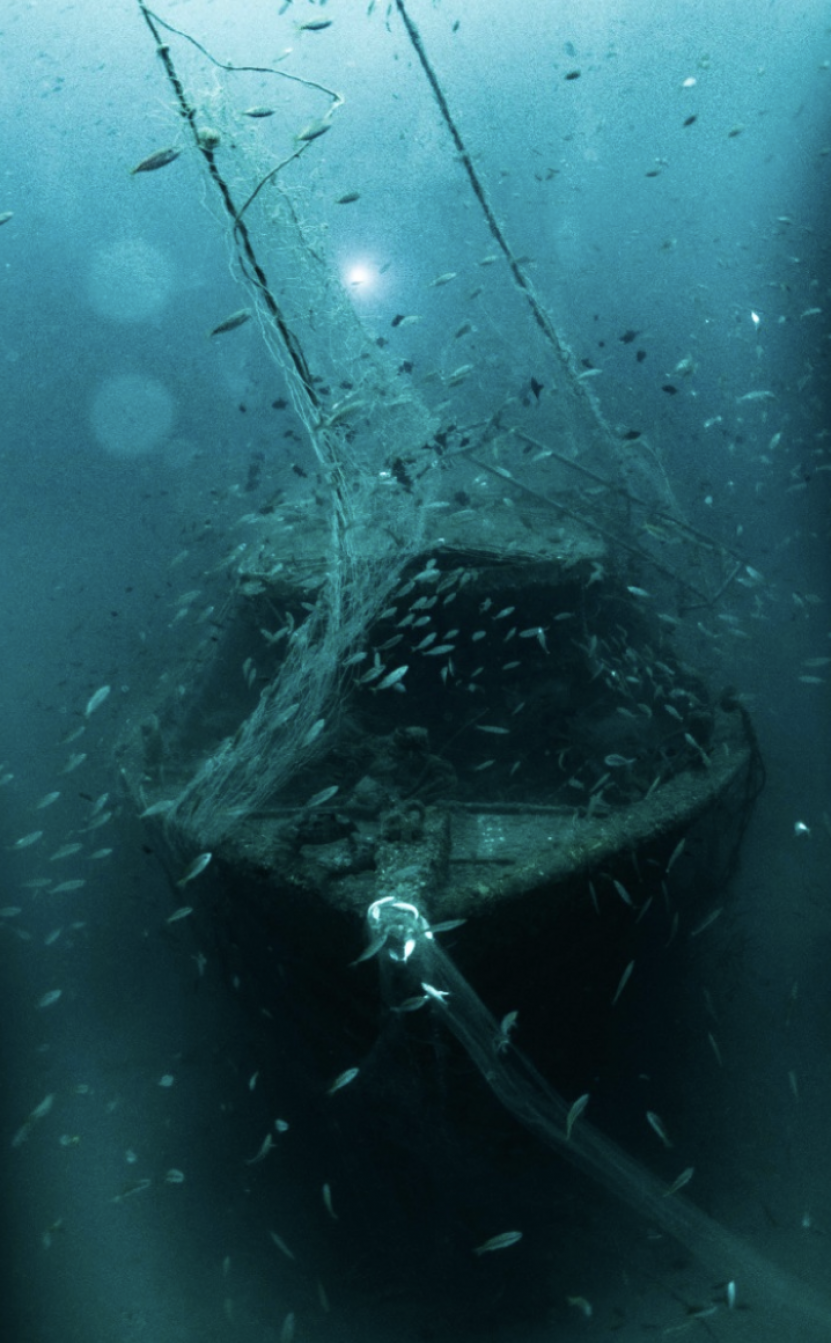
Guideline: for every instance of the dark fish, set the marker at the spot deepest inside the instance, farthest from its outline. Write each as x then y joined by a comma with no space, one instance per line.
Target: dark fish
536,388
348,198
689,120
573,74
160,159
640,356
397,319
668,387
399,471
627,337
314,25
279,404
631,435
231,323
258,112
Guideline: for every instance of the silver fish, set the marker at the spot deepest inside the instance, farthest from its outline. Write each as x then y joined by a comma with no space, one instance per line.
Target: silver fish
26,840
181,913
575,1112
682,1180
500,1242
707,922
282,1246
342,1080
314,731
392,678
198,865
100,820
65,851
624,980
265,1147
39,1112
656,1123
49,998
135,1187
156,809
506,1026
95,701
622,892
372,949
413,1004
438,995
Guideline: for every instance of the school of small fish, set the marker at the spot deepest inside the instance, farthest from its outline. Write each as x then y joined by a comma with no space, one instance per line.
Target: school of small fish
442,640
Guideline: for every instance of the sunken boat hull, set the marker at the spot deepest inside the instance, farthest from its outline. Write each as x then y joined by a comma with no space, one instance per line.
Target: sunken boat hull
548,768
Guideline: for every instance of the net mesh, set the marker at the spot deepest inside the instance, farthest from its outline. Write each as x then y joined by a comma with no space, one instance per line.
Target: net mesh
359,434
389,453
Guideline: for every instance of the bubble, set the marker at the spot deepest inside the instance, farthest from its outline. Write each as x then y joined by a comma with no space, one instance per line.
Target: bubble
129,281
131,414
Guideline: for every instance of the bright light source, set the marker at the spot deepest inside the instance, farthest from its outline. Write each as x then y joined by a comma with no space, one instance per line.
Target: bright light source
358,275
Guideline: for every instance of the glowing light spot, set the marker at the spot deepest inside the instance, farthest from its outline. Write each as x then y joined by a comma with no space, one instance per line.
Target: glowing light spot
358,275
131,415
